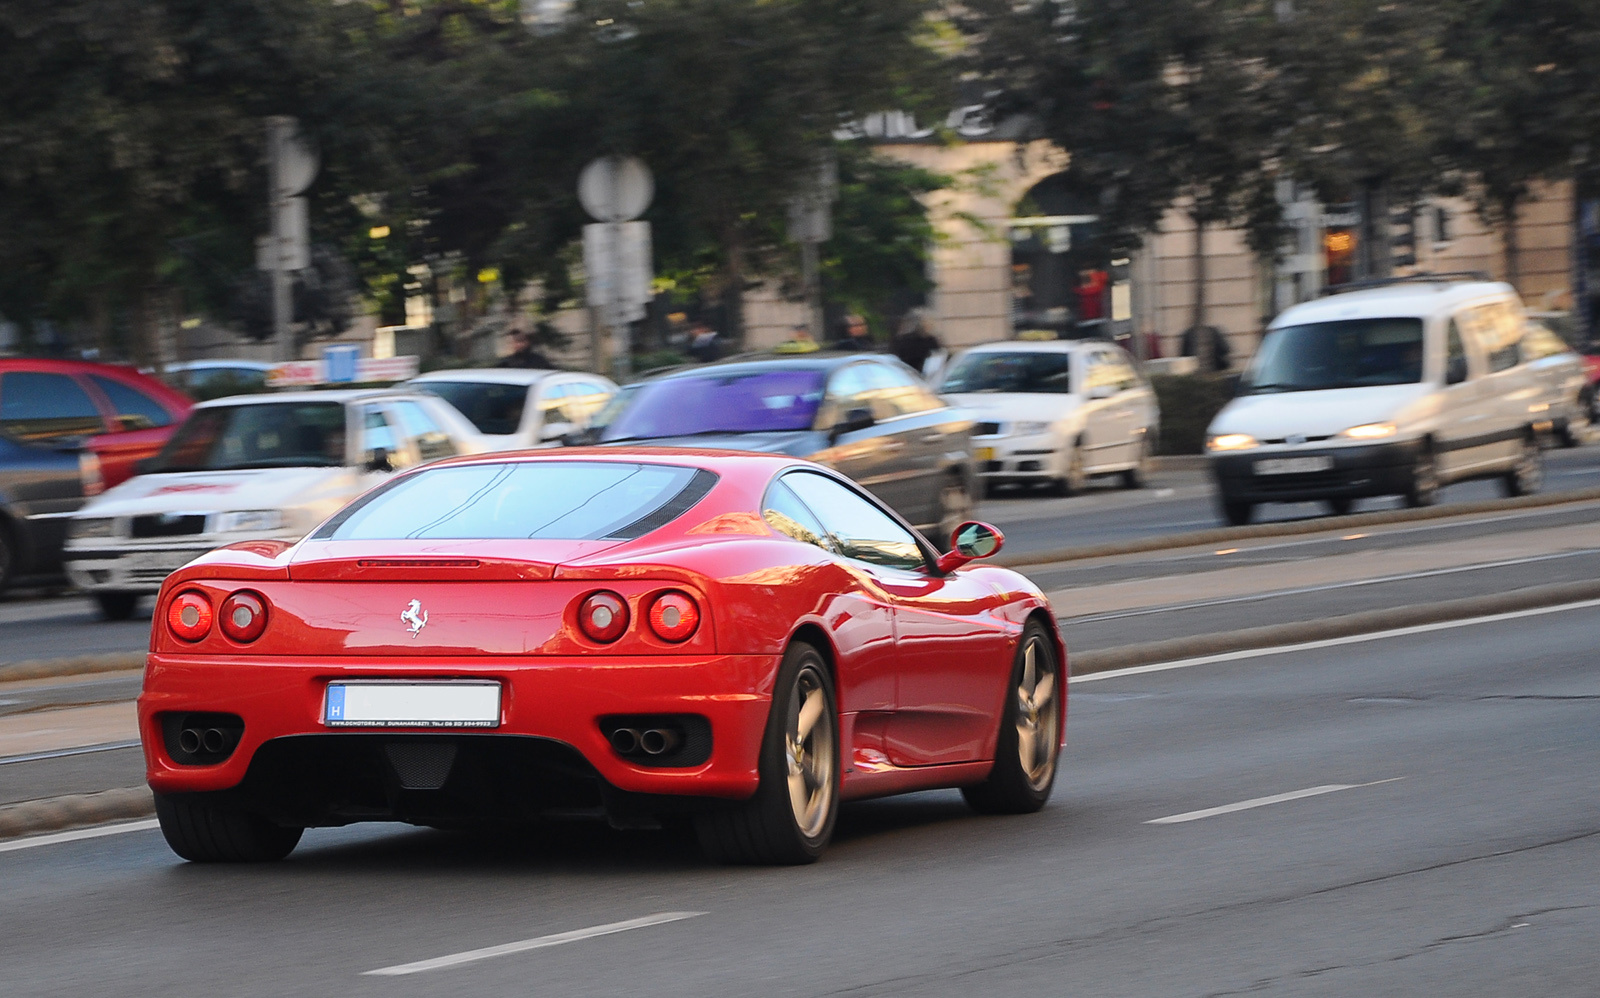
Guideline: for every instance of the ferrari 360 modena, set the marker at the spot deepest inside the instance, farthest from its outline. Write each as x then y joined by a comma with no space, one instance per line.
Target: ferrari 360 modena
738,641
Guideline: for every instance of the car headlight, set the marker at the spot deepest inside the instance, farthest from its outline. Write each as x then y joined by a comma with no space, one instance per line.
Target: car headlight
250,519
1030,428
1370,431
1230,441
91,526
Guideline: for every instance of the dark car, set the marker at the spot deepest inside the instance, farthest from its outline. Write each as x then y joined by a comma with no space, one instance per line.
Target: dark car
867,416
124,415
38,483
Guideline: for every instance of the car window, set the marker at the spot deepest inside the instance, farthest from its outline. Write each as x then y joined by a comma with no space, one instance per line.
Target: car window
716,400
1021,372
848,388
556,404
789,516
1539,343
492,408
37,406
859,529
376,434
135,409
1344,353
1456,355
271,435
432,442
895,392
585,398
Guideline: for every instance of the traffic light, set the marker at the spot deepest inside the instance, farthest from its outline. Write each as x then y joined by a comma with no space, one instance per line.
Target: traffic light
1403,236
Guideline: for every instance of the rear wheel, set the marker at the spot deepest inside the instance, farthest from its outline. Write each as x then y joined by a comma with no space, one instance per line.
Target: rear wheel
1137,476
791,817
1029,745
1424,487
1527,475
7,557
117,606
201,833
1076,478
1236,512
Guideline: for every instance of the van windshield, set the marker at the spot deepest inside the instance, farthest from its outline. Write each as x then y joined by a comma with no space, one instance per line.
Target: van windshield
1350,353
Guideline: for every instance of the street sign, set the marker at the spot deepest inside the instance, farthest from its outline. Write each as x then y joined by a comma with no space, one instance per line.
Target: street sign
620,271
616,188
339,362
292,249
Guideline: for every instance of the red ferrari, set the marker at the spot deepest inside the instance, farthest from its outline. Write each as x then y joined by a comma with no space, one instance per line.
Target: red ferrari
737,640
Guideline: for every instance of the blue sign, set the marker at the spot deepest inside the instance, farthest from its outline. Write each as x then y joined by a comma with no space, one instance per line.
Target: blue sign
340,362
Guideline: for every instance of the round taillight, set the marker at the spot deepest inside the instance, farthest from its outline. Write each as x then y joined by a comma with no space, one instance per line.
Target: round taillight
603,617
189,616
674,616
244,616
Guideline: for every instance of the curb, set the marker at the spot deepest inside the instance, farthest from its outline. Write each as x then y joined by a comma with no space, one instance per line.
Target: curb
81,665
1290,528
1275,635
52,814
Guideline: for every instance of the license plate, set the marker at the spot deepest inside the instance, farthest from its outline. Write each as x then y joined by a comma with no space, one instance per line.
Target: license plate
159,561
1293,465
983,454
445,704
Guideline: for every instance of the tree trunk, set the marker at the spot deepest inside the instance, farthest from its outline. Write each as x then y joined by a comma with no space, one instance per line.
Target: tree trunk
1510,208
733,288
1205,347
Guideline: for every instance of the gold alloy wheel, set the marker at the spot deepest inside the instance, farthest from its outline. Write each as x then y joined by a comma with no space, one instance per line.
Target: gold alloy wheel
809,750
1038,718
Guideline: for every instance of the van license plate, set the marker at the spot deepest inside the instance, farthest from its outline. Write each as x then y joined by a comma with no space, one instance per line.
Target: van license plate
1293,465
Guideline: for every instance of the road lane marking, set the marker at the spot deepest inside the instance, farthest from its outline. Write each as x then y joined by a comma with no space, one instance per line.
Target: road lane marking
79,834
1246,805
1398,632
541,942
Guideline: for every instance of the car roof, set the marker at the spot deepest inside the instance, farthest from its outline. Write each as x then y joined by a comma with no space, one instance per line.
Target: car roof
1407,300
117,372
493,375
209,365
822,360
343,395
1037,346
720,461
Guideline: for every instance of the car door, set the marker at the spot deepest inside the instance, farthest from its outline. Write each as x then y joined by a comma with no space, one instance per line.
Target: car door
1102,433
869,456
1463,415
952,660
924,433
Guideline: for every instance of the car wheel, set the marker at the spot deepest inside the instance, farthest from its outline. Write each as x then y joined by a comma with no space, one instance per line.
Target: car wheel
201,833
955,508
1029,745
1424,488
1076,478
1341,507
1527,475
1236,512
1576,428
117,606
7,557
1137,476
791,817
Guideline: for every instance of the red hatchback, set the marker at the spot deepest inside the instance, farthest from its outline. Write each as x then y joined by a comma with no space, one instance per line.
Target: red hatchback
743,640
126,415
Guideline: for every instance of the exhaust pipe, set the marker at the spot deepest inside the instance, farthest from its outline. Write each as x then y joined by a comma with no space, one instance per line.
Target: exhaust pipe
659,741
190,741
625,741
213,740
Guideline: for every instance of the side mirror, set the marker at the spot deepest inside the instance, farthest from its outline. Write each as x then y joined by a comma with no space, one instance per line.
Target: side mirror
971,541
1455,371
379,460
856,419
555,432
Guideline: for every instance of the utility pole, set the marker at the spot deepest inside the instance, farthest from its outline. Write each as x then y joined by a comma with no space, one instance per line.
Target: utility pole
811,225
291,166
616,190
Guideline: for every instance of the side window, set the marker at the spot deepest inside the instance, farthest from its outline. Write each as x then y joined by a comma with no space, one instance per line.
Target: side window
36,406
897,393
1098,372
377,435
135,409
555,404
432,442
860,530
786,514
847,389
1455,364
1539,343
1506,324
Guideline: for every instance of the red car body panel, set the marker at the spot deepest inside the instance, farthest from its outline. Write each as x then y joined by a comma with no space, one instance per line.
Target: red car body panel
118,449
922,666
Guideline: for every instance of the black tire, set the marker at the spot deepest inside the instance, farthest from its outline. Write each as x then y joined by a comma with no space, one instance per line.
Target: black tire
1235,512
1015,786
117,606
1341,507
1138,476
1424,487
1076,479
1526,476
201,833
766,829
8,556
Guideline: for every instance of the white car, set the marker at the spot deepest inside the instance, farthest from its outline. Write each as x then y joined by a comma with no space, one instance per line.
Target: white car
514,408
1565,378
257,467
1393,390
1056,412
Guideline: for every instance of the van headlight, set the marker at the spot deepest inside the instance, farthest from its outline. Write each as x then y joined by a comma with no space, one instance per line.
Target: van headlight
1230,441
249,519
1370,431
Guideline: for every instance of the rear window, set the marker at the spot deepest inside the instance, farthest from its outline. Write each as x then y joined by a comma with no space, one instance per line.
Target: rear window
38,406
545,500
492,408
749,401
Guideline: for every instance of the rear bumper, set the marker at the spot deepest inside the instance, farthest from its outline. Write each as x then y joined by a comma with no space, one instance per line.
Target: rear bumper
548,747
1357,472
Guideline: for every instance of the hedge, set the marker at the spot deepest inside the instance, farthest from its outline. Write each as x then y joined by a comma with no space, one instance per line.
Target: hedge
1188,403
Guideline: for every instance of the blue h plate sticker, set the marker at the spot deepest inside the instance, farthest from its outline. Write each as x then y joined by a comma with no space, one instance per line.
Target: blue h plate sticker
335,703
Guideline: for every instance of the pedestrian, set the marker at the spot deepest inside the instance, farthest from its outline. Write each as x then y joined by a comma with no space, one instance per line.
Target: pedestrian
1191,343
1091,295
524,354
703,345
914,344
856,335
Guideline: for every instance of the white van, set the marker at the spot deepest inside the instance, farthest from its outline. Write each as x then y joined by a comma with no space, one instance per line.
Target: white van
1392,390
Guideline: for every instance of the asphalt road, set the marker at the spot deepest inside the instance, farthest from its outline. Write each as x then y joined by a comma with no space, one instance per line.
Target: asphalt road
1474,870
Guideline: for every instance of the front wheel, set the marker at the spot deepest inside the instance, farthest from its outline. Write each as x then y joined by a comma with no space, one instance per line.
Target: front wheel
791,817
7,558
1029,745
1138,476
1424,487
1527,475
1236,512
1076,478
202,833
